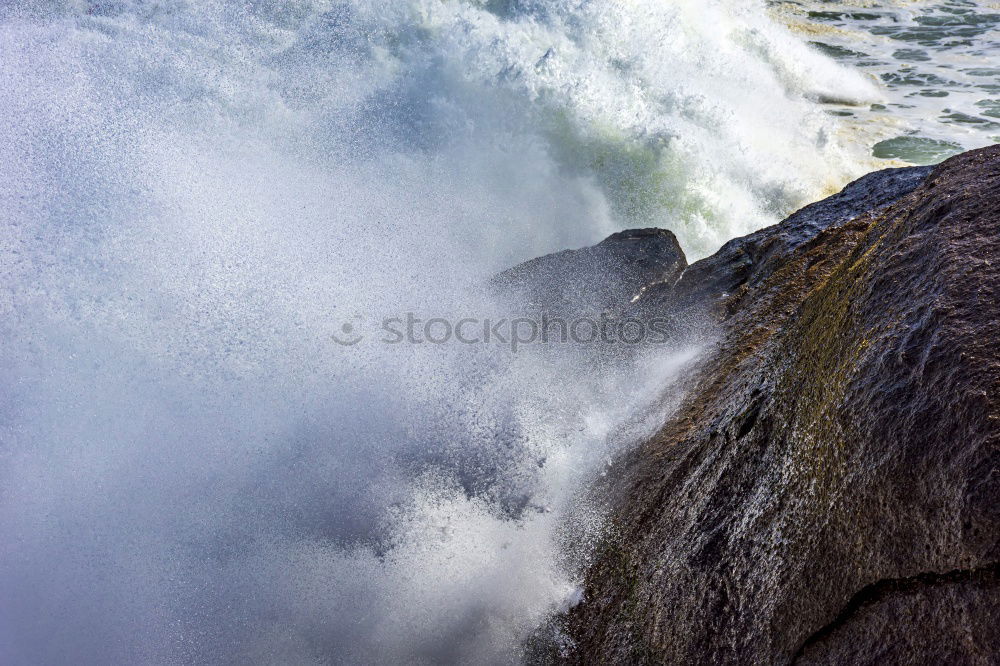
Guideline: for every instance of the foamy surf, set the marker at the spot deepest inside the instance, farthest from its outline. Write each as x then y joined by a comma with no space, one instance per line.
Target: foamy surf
196,196
932,61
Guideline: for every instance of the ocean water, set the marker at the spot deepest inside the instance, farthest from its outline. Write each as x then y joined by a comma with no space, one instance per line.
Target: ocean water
938,64
197,197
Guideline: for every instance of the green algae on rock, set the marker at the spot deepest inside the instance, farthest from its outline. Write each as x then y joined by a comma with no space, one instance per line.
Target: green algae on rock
828,490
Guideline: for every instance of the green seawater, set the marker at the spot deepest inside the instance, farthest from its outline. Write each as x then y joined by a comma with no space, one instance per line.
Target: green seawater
915,149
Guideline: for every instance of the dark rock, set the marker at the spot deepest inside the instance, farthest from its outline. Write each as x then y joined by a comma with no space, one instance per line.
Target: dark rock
745,262
601,278
828,490
958,614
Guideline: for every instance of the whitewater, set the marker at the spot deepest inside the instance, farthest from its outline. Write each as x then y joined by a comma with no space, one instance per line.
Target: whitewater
196,196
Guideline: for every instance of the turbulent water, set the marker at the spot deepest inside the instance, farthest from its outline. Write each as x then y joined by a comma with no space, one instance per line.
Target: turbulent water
937,62
197,196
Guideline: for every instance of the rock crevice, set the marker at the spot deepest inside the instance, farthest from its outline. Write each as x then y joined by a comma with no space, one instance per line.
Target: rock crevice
986,577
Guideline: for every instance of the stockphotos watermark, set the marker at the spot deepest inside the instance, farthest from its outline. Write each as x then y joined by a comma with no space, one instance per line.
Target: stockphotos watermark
515,332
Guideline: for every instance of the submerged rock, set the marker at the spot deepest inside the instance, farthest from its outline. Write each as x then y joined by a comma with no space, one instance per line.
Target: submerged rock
828,490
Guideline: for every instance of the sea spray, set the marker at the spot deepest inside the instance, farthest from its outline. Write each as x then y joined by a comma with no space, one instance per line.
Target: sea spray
196,196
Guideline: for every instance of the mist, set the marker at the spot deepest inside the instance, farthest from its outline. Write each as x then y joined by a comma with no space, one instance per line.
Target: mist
196,197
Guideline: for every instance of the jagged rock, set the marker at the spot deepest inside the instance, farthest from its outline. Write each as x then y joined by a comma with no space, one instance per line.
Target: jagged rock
828,490
744,262
594,279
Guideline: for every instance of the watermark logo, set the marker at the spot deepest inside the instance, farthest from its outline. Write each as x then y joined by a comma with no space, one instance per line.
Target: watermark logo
514,332
348,337
348,333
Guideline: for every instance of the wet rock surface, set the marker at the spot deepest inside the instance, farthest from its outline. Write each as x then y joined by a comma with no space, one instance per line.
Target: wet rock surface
743,263
829,490
591,280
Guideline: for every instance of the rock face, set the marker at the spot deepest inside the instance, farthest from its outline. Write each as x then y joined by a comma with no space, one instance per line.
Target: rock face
746,262
595,279
829,490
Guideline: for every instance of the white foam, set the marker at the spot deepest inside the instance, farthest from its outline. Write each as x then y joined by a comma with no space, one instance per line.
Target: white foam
196,196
